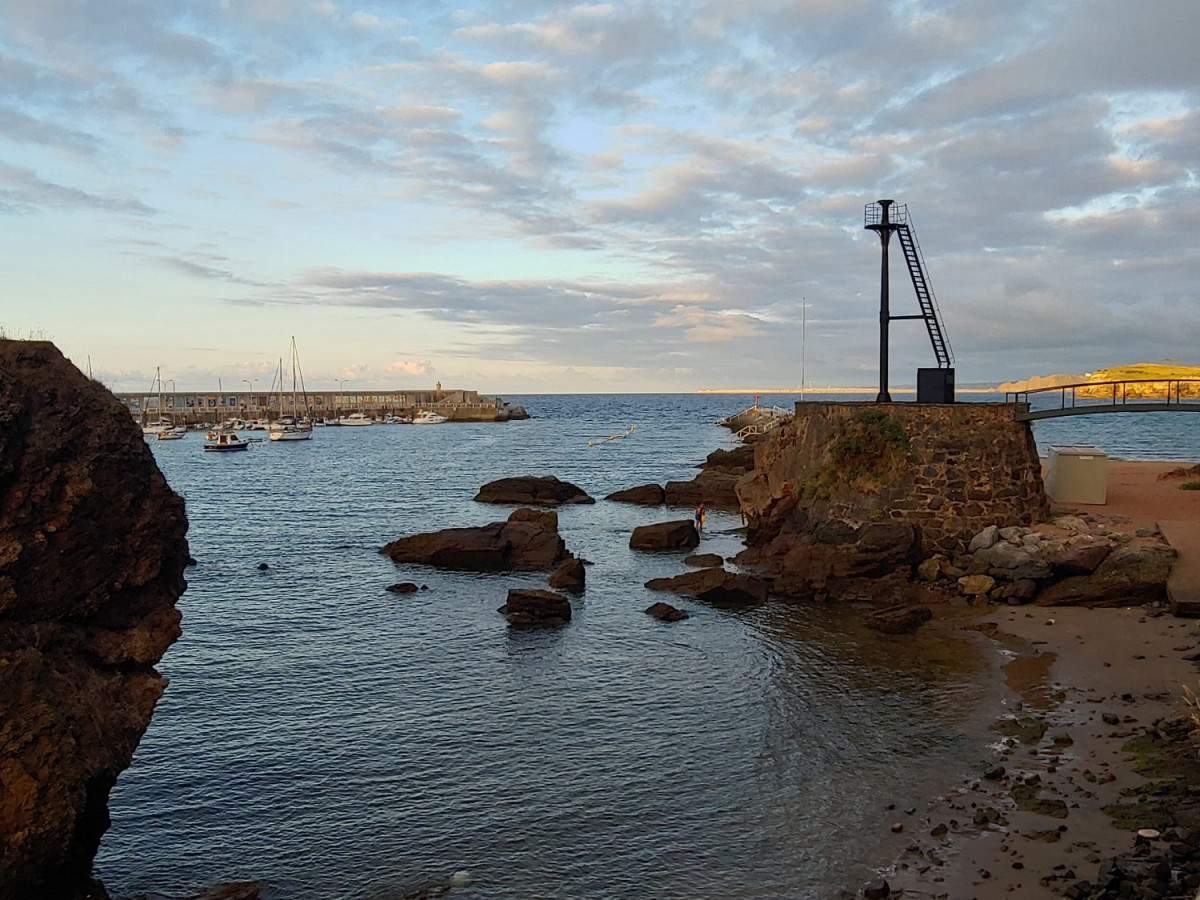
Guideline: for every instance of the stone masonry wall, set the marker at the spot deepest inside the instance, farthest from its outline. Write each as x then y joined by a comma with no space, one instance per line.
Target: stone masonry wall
957,469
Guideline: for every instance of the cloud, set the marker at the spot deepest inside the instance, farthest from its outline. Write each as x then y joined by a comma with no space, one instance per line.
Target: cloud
402,367
22,191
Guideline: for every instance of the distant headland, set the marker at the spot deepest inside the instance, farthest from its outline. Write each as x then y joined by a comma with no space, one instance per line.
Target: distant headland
1164,371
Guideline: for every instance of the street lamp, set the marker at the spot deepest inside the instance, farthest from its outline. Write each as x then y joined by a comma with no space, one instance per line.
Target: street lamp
250,381
337,407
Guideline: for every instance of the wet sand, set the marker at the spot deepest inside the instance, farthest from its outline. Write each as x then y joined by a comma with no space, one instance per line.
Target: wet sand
1095,677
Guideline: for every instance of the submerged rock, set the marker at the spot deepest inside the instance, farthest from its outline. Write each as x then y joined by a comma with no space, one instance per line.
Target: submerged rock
528,606
92,554
665,612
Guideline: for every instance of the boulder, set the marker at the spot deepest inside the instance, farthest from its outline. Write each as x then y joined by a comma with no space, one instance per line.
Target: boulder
569,576
704,560
532,490
402,587
932,568
975,585
1003,555
643,495
93,550
900,619
665,612
716,586
679,534
984,539
529,606
1079,559
1131,575
710,488
524,543
737,461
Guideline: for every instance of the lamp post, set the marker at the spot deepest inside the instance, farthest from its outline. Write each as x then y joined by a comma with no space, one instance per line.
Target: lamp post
337,407
250,382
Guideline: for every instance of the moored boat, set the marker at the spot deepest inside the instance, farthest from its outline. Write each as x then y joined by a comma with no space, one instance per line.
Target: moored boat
225,440
175,433
357,418
429,418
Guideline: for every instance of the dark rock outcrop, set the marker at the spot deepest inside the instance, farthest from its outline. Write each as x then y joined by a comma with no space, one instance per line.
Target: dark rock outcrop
1129,576
823,560
570,576
527,542
665,612
532,490
92,554
716,586
528,606
677,535
642,495
704,560
402,587
710,488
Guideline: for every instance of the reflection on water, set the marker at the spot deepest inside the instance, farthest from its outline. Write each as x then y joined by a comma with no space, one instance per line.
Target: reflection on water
332,739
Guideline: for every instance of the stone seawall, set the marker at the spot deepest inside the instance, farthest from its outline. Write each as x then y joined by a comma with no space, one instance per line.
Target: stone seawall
946,470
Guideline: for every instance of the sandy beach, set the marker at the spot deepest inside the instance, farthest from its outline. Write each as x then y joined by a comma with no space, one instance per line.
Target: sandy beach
1078,684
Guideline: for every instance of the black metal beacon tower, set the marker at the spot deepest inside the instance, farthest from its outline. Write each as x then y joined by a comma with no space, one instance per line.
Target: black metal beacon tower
933,385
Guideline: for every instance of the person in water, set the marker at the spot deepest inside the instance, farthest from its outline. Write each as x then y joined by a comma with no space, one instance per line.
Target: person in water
700,516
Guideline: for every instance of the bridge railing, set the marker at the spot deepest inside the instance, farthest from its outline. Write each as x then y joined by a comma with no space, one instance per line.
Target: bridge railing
1113,395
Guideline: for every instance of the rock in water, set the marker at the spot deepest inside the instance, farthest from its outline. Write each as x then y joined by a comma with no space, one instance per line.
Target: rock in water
677,535
529,606
532,490
92,554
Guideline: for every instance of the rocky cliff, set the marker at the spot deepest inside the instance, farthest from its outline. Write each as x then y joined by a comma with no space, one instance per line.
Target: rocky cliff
92,554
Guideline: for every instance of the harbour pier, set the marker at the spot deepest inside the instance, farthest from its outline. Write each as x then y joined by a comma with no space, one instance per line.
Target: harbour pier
211,407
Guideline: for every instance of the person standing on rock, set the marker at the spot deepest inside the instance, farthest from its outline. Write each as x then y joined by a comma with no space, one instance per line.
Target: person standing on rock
700,516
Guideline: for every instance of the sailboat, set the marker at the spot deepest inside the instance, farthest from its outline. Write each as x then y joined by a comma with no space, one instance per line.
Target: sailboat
293,427
162,423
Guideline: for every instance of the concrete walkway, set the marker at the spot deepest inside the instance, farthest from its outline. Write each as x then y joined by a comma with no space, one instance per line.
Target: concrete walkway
1183,585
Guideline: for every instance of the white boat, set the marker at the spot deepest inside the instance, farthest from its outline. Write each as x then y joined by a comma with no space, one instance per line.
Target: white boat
294,427
356,419
176,433
429,418
221,441
162,423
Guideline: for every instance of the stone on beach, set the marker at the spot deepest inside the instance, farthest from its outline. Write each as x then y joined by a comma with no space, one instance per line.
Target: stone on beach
900,619
532,490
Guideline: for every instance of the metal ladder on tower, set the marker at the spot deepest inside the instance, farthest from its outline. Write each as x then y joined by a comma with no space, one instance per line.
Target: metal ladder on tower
920,280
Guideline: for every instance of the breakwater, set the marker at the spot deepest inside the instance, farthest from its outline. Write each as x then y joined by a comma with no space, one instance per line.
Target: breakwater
197,407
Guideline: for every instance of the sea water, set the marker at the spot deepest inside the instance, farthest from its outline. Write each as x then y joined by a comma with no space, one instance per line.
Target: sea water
331,739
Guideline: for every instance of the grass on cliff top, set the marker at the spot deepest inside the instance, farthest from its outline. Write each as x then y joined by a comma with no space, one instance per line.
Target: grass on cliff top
1167,370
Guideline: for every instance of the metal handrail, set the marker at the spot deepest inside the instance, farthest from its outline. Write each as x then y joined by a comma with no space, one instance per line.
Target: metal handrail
1173,385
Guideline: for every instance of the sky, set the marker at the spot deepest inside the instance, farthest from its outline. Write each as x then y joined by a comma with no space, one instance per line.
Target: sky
531,197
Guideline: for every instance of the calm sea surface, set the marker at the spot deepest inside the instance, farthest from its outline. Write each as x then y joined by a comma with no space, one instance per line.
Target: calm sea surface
330,739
